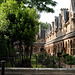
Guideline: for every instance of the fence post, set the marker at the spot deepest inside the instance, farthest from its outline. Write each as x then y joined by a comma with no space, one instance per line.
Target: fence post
3,67
53,60
59,62
36,61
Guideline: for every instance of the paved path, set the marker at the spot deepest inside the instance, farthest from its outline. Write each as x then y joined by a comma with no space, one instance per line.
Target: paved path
68,66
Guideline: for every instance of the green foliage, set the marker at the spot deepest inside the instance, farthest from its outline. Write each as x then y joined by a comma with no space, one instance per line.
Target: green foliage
69,59
7,15
27,25
44,25
47,59
42,5
1,1
18,19
17,22
64,55
33,63
41,56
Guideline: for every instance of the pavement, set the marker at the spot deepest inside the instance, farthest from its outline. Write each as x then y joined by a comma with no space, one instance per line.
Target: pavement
68,66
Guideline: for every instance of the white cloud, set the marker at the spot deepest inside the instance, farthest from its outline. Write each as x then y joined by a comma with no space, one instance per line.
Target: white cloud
49,17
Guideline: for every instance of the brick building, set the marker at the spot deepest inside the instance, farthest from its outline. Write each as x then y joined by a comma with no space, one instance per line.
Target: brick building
40,40
60,36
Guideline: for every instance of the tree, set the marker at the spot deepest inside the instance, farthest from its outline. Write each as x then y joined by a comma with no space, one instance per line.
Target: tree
1,1
27,29
44,25
8,22
40,5
18,24
3,46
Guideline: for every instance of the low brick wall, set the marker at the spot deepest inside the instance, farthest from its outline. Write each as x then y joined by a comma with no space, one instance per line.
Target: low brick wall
39,71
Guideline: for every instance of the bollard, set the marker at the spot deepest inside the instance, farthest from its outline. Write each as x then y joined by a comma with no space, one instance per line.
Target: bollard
3,67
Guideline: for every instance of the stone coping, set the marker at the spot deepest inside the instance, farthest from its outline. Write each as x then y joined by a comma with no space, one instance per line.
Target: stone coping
60,69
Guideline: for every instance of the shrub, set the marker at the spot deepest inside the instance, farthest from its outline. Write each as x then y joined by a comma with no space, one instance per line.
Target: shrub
64,55
42,56
69,60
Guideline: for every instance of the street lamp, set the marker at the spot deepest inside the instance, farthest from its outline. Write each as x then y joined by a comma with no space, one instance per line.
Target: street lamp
3,67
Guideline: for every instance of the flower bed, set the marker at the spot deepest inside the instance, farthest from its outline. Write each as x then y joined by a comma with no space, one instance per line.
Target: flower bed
53,61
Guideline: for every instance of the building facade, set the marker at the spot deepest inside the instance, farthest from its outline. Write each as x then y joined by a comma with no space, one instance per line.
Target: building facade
40,41
60,36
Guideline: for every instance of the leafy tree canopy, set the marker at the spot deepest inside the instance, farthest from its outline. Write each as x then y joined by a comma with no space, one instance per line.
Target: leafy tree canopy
40,5
44,25
18,22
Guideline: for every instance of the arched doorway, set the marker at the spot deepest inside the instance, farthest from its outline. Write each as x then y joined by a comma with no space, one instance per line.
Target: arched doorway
42,49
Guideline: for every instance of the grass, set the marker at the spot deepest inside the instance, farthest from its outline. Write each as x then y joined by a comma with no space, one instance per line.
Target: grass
33,63
8,64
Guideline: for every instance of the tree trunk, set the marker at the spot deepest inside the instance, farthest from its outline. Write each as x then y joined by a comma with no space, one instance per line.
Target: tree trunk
24,51
8,48
20,49
13,55
8,44
12,45
27,52
31,53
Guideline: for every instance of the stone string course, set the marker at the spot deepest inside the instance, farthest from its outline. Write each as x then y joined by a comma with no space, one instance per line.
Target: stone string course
39,71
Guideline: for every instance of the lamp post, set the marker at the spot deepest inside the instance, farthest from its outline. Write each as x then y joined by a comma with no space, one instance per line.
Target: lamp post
3,67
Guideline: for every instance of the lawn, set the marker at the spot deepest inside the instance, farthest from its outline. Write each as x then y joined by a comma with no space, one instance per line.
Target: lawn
33,63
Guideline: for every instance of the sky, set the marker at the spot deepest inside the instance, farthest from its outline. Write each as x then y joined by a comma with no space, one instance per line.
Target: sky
49,17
